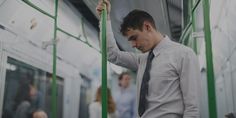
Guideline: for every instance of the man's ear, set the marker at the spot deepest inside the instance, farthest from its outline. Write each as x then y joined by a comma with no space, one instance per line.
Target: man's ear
147,26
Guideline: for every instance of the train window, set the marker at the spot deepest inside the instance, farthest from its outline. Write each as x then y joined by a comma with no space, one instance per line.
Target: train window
27,89
84,97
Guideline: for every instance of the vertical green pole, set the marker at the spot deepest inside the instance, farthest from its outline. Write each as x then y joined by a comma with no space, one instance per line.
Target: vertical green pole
54,85
209,62
104,63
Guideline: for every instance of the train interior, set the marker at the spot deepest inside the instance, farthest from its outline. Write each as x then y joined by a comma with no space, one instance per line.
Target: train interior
27,39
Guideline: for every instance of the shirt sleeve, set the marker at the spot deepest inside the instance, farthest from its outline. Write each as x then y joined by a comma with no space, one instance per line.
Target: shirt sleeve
189,84
126,59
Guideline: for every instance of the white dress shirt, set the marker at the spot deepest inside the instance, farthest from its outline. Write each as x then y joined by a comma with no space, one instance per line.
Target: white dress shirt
125,99
174,77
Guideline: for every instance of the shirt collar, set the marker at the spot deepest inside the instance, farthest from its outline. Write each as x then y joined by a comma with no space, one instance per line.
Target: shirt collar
160,45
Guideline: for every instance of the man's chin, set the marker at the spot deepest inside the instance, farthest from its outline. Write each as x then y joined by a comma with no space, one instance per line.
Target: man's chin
143,51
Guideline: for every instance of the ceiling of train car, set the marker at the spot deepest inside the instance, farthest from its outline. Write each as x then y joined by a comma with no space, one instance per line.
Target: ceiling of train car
167,15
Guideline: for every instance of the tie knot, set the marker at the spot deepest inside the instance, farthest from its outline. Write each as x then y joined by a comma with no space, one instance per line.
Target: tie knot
150,55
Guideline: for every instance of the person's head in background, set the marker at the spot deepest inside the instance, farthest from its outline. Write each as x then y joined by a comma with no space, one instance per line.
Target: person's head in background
124,79
39,114
111,103
33,92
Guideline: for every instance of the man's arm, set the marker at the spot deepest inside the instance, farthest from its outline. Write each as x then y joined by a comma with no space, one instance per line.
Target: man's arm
190,84
126,59
121,58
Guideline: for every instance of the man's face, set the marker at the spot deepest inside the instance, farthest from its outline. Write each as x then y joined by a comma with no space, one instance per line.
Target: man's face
142,40
125,81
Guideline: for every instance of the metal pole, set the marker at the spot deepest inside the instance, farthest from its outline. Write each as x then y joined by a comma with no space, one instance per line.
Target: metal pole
104,62
54,77
209,62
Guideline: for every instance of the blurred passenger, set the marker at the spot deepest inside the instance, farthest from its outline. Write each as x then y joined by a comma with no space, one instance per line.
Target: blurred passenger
125,97
95,108
28,99
22,102
35,97
39,114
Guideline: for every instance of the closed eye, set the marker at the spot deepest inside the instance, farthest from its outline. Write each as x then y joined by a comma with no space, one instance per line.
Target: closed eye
132,38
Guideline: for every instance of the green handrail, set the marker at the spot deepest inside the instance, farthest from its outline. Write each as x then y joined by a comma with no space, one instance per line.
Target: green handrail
37,8
53,17
189,25
209,62
54,77
78,38
187,31
104,61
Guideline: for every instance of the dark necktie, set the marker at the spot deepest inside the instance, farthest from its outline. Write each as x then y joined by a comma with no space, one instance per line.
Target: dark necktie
144,85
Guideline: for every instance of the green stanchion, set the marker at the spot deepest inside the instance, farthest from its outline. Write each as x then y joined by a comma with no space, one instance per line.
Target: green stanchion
104,62
209,62
54,77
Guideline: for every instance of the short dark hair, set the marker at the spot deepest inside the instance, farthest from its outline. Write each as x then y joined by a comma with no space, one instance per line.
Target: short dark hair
122,74
135,20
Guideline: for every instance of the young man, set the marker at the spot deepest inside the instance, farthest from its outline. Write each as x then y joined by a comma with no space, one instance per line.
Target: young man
125,97
168,73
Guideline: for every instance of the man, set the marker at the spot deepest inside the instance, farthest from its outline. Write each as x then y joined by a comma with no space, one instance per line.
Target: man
125,97
167,72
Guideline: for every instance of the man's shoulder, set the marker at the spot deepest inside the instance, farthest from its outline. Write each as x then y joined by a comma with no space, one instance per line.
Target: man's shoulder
180,48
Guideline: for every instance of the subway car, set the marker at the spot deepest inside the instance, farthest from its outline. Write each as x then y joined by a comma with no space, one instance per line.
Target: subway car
51,55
